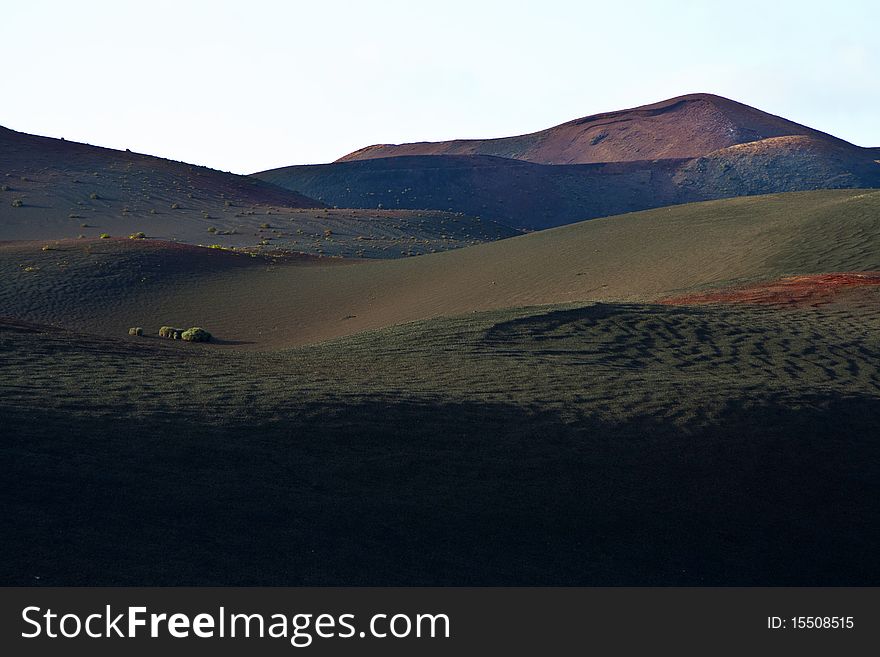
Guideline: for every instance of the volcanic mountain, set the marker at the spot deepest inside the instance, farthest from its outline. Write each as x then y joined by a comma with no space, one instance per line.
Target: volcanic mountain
682,127
689,148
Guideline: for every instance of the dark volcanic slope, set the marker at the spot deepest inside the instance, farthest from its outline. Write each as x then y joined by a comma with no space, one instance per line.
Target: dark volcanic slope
54,189
683,127
511,191
31,164
539,196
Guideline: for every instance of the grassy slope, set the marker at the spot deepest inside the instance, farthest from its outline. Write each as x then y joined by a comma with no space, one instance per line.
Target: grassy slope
637,257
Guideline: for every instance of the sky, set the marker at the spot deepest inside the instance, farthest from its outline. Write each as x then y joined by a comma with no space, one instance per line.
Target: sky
248,86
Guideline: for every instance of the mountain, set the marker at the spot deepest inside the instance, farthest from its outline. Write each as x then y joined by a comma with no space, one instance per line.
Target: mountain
691,148
682,127
54,189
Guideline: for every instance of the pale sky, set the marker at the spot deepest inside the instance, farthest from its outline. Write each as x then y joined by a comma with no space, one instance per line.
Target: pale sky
246,86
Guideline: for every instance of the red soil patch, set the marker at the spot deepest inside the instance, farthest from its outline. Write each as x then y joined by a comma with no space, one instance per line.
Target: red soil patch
792,290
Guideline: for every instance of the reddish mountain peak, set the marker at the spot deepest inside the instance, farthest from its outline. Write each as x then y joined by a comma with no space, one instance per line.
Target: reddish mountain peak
682,127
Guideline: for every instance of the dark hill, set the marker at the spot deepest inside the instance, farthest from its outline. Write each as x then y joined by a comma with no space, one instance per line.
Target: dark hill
536,196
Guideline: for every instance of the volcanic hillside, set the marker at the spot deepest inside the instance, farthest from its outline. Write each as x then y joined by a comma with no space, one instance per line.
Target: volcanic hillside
699,407
105,286
691,148
54,189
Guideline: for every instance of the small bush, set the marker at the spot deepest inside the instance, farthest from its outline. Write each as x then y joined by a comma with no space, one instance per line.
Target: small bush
94,196
104,236
137,330
175,206
4,188
170,332
137,236
212,229
264,225
196,334
17,203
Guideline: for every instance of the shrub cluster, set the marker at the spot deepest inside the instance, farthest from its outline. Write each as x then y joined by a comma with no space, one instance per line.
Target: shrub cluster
192,334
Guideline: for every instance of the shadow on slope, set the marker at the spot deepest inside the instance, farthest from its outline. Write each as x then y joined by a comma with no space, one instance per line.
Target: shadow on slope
443,494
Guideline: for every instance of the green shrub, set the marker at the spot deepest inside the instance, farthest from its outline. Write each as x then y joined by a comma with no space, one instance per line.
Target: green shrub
170,332
104,236
196,334
137,236
137,330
